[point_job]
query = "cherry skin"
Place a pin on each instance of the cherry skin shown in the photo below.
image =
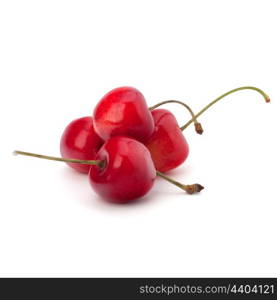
(127, 172)
(123, 111)
(167, 145)
(79, 140)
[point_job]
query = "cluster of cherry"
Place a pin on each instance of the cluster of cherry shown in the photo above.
(125, 145)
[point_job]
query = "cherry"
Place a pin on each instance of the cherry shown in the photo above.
(123, 111)
(80, 140)
(127, 173)
(122, 171)
(167, 145)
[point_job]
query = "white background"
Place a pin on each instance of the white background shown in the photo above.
(58, 58)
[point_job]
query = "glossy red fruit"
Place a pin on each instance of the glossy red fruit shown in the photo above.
(128, 172)
(80, 141)
(123, 111)
(167, 145)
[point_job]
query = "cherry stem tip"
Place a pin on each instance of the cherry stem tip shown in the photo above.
(190, 188)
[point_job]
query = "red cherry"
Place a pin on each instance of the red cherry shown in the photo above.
(167, 145)
(102, 164)
(79, 140)
(128, 171)
(123, 111)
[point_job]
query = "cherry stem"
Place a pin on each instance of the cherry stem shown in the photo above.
(266, 97)
(197, 125)
(191, 189)
(99, 163)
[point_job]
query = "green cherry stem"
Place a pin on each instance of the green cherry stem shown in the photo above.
(191, 189)
(266, 97)
(99, 163)
(197, 125)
